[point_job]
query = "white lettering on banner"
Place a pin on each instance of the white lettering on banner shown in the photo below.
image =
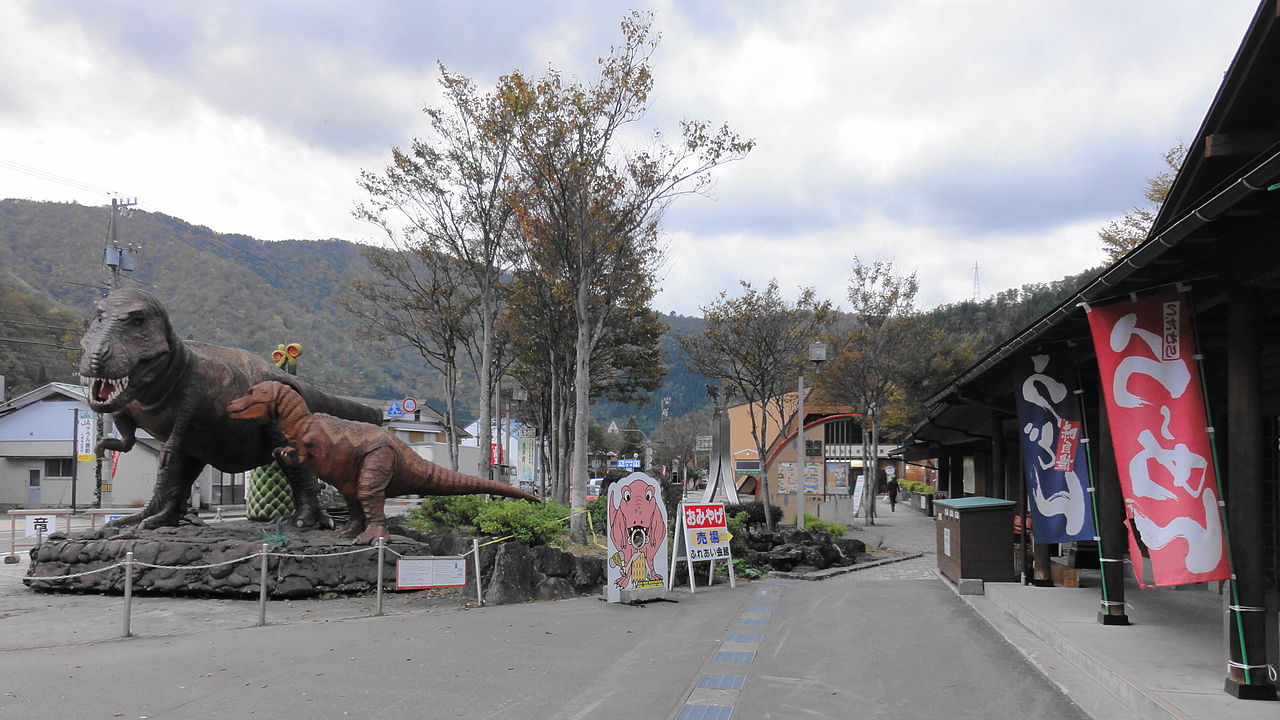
(1071, 501)
(1173, 375)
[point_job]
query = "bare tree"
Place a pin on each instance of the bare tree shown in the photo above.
(873, 354)
(448, 195)
(754, 345)
(421, 298)
(1124, 234)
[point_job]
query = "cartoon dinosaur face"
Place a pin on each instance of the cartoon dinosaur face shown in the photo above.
(127, 346)
(638, 520)
(259, 404)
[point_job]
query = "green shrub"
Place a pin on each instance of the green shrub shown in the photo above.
(737, 525)
(596, 511)
(536, 524)
(448, 511)
(743, 570)
(818, 525)
(754, 511)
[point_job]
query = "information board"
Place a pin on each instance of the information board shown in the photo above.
(857, 494)
(416, 573)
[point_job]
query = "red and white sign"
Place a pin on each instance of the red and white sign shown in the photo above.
(1156, 408)
(409, 405)
(706, 531)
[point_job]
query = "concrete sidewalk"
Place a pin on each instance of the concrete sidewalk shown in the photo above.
(1170, 663)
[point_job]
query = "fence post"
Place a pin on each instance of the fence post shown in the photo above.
(475, 550)
(262, 587)
(382, 545)
(13, 540)
(128, 592)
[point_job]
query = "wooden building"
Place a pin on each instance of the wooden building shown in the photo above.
(1217, 239)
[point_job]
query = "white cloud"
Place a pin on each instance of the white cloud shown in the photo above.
(941, 133)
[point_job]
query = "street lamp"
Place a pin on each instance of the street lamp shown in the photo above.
(817, 355)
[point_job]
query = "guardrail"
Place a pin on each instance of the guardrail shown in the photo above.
(262, 557)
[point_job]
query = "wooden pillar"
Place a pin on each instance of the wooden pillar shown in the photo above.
(1246, 498)
(1110, 523)
(998, 487)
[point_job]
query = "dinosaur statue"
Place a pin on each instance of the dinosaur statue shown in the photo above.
(364, 462)
(141, 372)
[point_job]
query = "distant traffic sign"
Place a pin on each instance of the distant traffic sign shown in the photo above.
(702, 444)
(632, 463)
(409, 405)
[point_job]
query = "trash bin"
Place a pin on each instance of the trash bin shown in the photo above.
(974, 541)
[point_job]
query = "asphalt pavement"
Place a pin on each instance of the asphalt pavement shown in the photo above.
(891, 641)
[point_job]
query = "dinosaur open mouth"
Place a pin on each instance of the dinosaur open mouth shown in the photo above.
(104, 391)
(637, 535)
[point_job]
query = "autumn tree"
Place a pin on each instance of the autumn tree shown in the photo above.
(589, 210)
(447, 196)
(872, 354)
(1124, 234)
(754, 345)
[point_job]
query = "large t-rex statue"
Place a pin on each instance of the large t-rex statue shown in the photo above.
(364, 462)
(141, 372)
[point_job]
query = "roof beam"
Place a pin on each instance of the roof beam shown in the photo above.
(1242, 143)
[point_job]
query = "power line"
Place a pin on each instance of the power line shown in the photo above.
(37, 325)
(37, 342)
(54, 177)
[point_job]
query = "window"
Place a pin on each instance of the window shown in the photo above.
(58, 468)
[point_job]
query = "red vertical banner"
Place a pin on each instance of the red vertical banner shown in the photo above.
(1155, 404)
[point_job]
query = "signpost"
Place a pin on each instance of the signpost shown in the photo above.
(857, 494)
(702, 535)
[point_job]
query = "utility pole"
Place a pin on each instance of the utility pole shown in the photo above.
(117, 258)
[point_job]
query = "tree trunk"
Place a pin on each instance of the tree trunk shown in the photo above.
(581, 420)
(486, 382)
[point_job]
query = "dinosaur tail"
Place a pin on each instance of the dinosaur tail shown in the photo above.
(427, 478)
(320, 402)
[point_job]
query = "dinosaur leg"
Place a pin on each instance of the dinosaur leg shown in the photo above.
(371, 491)
(355, 522)
(306, 498)
(172, 493)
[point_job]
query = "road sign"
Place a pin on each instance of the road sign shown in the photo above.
(633, 463)
(702, 444)
(395, 409)
(409, 405)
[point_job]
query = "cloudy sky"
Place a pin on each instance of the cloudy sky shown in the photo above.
(936, 133)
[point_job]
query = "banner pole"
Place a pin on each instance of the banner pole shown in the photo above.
(1092, 489)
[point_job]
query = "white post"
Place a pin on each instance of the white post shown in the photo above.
(382, 544)
(262, 587)
(128, 592)
(475, 551)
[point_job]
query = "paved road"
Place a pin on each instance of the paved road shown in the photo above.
(889, 642)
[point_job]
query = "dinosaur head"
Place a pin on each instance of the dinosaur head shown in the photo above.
(638, 520)
(129, 343)
(260, 405)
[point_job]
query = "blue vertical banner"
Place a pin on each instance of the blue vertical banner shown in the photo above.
(1053, 454)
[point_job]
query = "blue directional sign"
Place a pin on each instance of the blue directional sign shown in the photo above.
(632, 463)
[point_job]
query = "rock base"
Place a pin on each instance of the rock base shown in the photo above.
(223, 561)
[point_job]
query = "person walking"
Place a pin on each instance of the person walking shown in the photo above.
(893, 494)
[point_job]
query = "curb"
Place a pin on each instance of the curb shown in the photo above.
(817, 575)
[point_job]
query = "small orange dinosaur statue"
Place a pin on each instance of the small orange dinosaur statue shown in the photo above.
(364, 462)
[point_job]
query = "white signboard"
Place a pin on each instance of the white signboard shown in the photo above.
(416, 573)
(857, 494)
(636, 566)
(702, 443)
(86, 437)
(946, 541)
(39, 525)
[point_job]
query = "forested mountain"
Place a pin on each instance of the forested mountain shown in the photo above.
(221, 288)
(238, 291)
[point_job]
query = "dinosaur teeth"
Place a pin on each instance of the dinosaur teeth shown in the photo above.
(104, 390)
